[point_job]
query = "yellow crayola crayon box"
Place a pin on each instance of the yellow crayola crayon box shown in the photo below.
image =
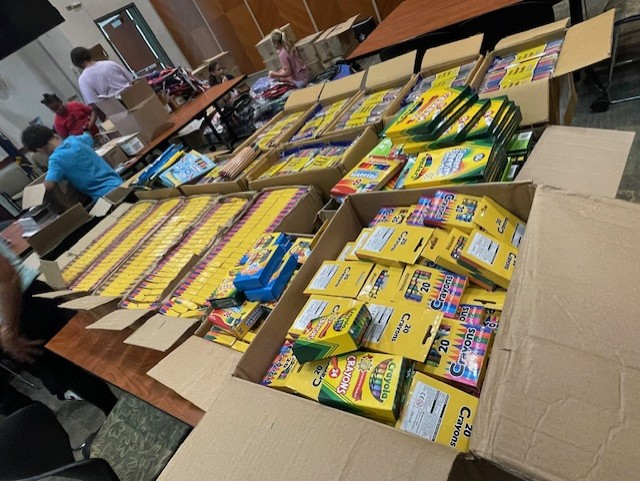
(334, 334)
(494, 260)
(236, 320)
(340, 279)
(497, 221)
(347, 251)
(287, 374)
(481, 307)
(403, 328)
(381, 284)
(394, 245)
(459, 354)
(358, 243)
(438, 412)
(434, 245)
(432, 289)
(448, 257)
(365, 383)
(319, 306)
(392, 215)
(301, 248)
(449, 210)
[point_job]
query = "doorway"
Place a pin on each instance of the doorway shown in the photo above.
(132, 39)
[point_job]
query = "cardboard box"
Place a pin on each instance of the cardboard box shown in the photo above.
(130, 144)
(300, 100)
(324, 179)
(136, 110)
(112, 153)
(306, 48)
(553, 100)
(588, 161)
(265, 46)
(53, 233)
(315, 69)
(397, 72)
(337, 41)
(273, 64)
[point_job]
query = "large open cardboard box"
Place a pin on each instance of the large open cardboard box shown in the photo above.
(553, 367)
(345, 88)
(397, 72)
(324, 179)
(337, 41)
(553, 100)
(301, 100)
(136, 110)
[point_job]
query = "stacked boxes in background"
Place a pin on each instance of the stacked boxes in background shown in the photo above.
(223, 58)
(337, 42)
(307, 50)
(269, 53)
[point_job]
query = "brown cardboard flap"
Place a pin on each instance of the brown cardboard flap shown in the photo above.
(532, 98)
(303, 98)
(33, 195)
(158, 194)
(588, 161)
(397, 68)
(560, 397)
(586, 43)
(59, 294)
(119, 319)
(197, 370)
(52, 234)
(273, 436)
(87, 303)
(101, 208)
(532, 34)
(450, 52)
(160, 332)
(52, 272)
(343, 87)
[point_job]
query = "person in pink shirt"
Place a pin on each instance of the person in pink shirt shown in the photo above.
(293, 68)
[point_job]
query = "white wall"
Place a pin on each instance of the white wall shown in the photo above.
(44, 65)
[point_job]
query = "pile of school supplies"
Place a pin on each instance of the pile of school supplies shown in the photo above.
(518, 150)
(400, 328)
(522, 67)
(319, 120)
(317, 156)
(453, 77)
(368, 109)
(150, 291)
(188, 168)
(272, 133)
(191, 297)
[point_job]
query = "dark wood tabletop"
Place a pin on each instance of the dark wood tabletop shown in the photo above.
(13, 234)
(191, 110)
(104, 354)
(413, 18)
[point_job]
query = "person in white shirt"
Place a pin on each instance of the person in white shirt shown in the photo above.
(102, 78)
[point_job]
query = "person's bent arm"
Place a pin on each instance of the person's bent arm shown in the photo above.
(49, 185)
(11, 342)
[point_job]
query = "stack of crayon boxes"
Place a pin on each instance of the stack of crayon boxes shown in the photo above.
(400, 327)
(209, 290)
(309, 157)
(366, 110)
(523, 67)
(447, 135)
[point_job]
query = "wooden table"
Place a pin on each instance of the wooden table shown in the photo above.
(193, 109)
(413, 18)
(13, 234)
(103, 354)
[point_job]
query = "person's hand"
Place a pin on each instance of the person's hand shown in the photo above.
(20, 348)
(272, 74)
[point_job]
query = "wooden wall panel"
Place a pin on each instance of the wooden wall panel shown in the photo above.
(328, 13)
(187, 28)
(236, 31)
(272, 14)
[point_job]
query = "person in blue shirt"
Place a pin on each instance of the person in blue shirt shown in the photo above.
(72, 159)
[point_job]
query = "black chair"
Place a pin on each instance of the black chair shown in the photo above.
(507, 21)
(33, 445)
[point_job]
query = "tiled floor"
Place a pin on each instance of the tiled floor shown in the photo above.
(81, 419)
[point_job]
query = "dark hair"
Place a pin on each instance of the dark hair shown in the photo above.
(50, 99)
(35, 137)
(212, 66)
(79, 56)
